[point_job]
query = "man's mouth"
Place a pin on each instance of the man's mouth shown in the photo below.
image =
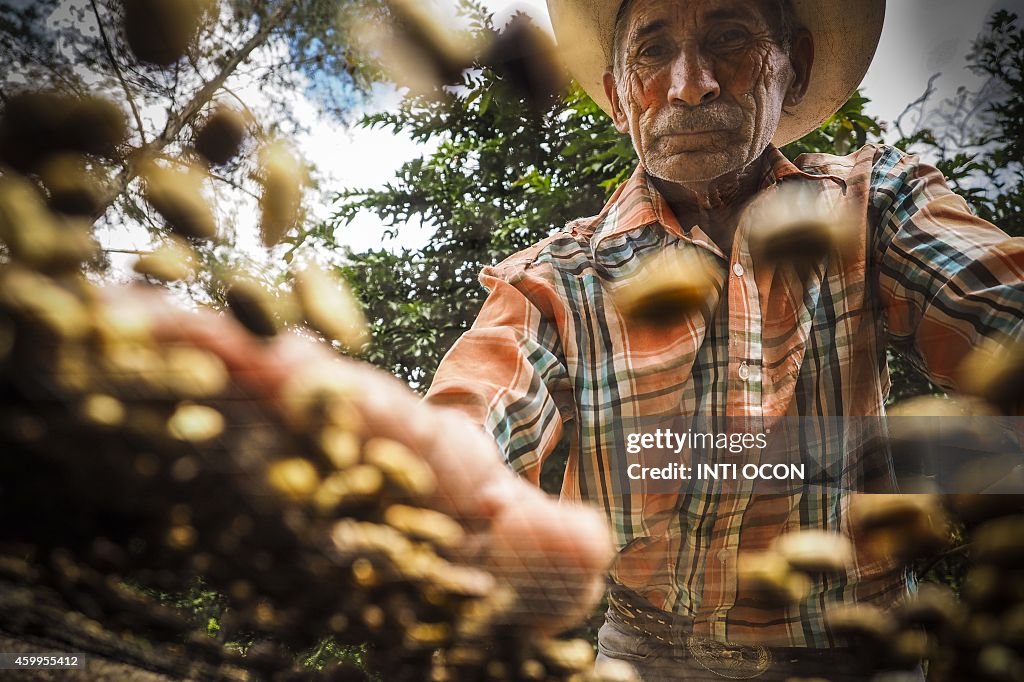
(687, 133)
(691, 140)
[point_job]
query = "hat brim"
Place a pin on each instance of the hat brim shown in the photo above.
(845, 39)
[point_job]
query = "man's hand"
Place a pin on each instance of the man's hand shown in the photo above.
(554, 555)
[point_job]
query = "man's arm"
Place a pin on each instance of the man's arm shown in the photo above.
(508, 372)
(946, 278)
(553, 555)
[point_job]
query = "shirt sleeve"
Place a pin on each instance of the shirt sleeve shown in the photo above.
(946, 278)
(508, 374)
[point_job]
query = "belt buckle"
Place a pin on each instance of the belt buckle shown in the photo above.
(733, 662)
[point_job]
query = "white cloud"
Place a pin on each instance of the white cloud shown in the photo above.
(356, 158)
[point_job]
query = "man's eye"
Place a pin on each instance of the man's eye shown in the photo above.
(735, 36)
(653, 51)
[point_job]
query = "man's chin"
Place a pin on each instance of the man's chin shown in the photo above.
(689, 167)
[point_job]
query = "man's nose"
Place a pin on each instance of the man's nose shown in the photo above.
(693, 77)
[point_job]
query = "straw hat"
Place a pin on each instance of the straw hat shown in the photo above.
(845, 37)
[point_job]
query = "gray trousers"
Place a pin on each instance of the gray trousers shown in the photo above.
(665, 663)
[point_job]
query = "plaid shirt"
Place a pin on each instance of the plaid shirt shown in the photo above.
(550, 355)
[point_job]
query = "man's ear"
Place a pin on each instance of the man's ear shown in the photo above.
(801, 56)
(619, 117)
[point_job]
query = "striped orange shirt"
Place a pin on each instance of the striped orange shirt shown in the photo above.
(550, 356)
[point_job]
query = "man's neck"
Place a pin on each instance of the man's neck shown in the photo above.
(715, 205)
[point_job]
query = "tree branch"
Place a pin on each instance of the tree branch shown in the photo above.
(117, 69)
(177, 122)
(130, 252)
(920, 101)
(228, 181)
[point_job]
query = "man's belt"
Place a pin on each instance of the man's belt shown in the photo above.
(670, 631)
(730, 661)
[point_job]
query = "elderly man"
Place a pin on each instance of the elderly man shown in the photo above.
(707, 90)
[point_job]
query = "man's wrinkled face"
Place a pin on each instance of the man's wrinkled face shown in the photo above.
(700, 85)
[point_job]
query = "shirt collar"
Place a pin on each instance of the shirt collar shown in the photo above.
(637, 203)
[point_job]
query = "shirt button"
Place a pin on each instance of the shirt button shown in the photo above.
(744, 371)
(738, 269)
(723, 555)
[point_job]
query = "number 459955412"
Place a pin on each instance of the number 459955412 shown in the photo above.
(38, 661)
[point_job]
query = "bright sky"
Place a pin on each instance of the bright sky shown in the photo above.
(920, 38)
